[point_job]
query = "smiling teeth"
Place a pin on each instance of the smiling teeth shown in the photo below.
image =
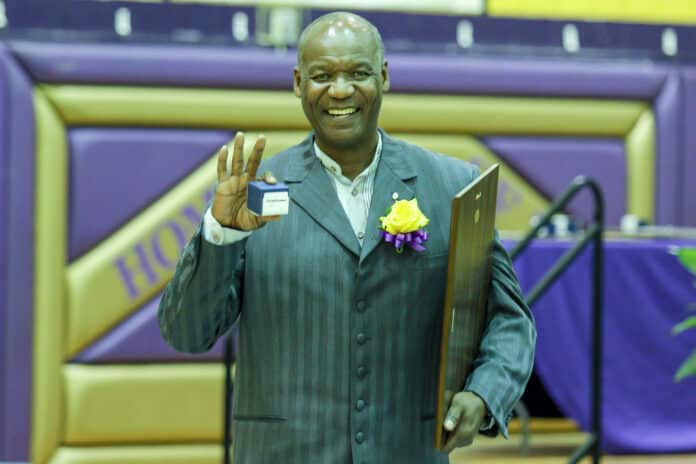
(342, 112)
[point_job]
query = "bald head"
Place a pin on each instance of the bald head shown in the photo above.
(340, 77)
(338, 23)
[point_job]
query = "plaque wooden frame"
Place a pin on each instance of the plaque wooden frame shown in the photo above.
(464, 318)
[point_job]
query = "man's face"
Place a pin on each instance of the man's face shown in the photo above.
(340, 80)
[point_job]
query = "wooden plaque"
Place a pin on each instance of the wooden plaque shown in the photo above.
(468, 279)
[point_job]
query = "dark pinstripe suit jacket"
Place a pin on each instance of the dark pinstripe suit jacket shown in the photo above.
(339, 344)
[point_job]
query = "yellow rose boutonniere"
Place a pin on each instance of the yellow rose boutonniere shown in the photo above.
(404, 225)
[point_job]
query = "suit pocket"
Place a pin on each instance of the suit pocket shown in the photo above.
(258, 418)
(414, 260)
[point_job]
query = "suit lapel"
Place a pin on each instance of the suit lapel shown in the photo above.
(310, 187)
(395, 174)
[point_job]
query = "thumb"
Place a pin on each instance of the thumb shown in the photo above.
(269, 178)
(452, 417)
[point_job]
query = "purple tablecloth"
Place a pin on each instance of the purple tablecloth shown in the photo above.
(646, 293)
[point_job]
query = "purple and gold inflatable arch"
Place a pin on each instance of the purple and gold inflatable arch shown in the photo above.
(107, 166)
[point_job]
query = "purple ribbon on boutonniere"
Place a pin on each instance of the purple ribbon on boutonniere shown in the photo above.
(414, 240)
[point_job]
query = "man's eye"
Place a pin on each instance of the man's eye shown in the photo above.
(361, 74)
(320, 77)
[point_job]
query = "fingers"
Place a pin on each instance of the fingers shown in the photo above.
(462, 434)
(222, 164)
(450, 444)
(238, 154)
(451, 425)
(255, 158)
(463, 420)
(453, 415)
(463, 437)
(269, 178)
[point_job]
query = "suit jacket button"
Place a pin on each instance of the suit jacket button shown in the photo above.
(362, 338)
(360, 405)
(360, 437)
(361, 306)
(362, 372)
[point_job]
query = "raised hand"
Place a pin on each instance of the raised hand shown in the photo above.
(229, 205)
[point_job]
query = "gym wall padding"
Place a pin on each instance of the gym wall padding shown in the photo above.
(81, 300)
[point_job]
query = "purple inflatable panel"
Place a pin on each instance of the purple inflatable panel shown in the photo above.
(669, 152)
(138, 339)
(5, 247)
(264, 68)
(458, 74)
(4, 193)
(115, 173)
(157, 65)
(17, 253)
(551, 164)
(689, 170)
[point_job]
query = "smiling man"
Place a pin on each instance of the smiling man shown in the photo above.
(339, 318)
(340, 77)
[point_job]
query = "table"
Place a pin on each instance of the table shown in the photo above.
(646, 293)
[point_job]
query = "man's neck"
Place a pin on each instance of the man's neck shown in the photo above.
(352, 160)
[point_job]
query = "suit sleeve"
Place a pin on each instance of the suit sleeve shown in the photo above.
(505, 359)
(506, 354)
(203, 298)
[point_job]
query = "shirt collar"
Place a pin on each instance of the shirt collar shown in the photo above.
(334, 168)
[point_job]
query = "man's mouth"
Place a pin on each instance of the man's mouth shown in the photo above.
(342, 112)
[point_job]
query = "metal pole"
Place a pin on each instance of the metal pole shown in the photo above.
(578, 183)
(583, 450)
(560, 266)
(597, 339)
(594, 444)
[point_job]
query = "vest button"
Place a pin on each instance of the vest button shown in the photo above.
(362, 372)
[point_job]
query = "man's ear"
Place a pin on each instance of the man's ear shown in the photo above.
(297, 79)
(385, 77)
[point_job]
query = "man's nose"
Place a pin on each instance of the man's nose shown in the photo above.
(341, 88)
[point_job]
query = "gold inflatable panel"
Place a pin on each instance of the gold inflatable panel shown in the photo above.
(50, 245)
(145, 454)
(143, 403)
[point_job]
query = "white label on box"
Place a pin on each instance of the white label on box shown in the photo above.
(275, 204)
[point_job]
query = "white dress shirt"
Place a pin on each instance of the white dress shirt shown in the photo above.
(355, 197)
